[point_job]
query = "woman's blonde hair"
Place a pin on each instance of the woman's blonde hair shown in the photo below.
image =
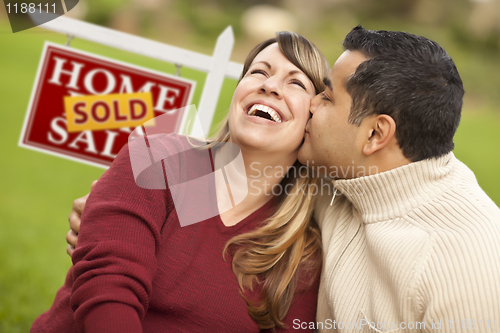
(289, 242)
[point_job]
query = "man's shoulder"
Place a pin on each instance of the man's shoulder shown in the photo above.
(461, 217)
(462, 204)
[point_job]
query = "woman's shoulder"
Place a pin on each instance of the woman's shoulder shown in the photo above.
(158, 147)
(158, 153)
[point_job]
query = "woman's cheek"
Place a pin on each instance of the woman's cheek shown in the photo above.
(307, 107)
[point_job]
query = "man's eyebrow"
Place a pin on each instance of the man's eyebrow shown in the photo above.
(327, 83)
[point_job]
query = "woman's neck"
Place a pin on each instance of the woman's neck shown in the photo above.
(246, 181)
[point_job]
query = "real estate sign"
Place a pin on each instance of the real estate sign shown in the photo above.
(63, 72)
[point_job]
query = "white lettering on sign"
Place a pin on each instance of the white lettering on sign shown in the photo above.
(89, 82)
(126, 86)
(59, 136)
(163, 97)
(74, 73)
(58, 125)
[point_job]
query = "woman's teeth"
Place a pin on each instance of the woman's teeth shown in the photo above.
(263, 108)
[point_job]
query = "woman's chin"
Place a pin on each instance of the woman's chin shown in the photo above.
(254, 144)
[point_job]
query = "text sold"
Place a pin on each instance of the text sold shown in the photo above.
(101, 112)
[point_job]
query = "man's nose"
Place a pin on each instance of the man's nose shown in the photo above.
(314, 103)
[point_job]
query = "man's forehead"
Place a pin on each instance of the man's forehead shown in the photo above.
(345, 66)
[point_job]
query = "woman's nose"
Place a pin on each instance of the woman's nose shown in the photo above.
(272, 87)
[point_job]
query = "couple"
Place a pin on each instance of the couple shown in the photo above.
(410, 245)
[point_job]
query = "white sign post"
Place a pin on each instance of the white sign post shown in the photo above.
(218, 66)
(215, 78)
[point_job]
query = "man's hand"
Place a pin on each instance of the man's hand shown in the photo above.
(74, 219)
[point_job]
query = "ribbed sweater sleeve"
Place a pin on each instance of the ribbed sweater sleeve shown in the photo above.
(458, 280)
(458, 285)
(114, 263)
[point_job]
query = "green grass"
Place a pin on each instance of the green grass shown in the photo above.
(38, 189)
(476, 144)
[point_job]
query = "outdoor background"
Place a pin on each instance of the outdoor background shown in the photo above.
(37, 190)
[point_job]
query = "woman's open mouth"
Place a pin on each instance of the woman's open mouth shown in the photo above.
(263, 111)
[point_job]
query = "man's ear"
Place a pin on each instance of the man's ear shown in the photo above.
(381, 131)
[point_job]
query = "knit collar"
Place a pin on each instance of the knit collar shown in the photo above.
(396, 192)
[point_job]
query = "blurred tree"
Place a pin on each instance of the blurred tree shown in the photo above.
(484, 23)
(418, 11)
(101, 11)
(382, 9)
(209, 18)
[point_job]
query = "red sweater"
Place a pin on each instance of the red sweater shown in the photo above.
(136, 269)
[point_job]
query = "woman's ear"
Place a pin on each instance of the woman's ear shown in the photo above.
(380, 131)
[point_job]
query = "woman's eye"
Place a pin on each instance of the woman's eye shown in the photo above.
(299, 83)
(259, 71)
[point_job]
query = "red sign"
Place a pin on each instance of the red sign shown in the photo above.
(64, 71)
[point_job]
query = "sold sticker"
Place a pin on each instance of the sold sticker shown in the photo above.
(101, 112)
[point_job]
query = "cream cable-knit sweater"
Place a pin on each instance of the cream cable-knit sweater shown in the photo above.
(415, 247)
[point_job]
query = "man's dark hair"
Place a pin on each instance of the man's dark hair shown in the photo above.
(413, 80)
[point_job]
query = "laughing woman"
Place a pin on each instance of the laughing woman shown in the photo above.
(252, 268)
